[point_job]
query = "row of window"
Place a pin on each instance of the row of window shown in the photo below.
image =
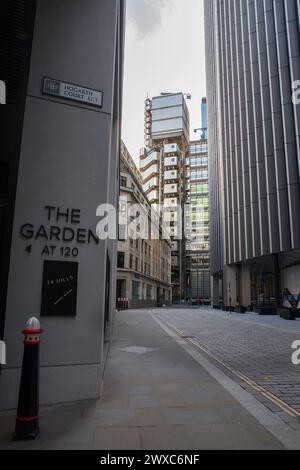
(144, 246)
(198, 216)
(124, 184)
(198, 148)
(133, 263)
(146, 292)
(193, 246)
(199, 175)
(200, 202)
(198, 161)
(199, 188)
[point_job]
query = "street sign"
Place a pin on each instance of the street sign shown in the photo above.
(72, 92)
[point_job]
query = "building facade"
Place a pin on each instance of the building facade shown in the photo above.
(144, 263)
(197, 225)
(198, 282)
(59, 160)
(253, 58)
(163, 169)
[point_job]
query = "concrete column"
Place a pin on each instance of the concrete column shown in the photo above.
(245, 285)
(230, 286)
(215, 288)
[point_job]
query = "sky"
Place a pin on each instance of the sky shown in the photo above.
(164, 52)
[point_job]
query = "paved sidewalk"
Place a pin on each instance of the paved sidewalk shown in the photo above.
(156, 397)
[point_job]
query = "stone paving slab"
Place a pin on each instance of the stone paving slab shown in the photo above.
(160, 399)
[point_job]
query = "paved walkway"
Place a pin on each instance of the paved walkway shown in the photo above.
(156, 397)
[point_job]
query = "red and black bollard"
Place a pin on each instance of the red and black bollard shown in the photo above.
(27, 423)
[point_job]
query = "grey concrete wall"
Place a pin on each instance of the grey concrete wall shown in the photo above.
(68, 159)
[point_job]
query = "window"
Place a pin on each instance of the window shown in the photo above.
(135, 290)
(199, 175)
(149, 292)
(121, 260)
(198, 161)
(122, 233)
(199, 188)
(123, 182)
(123, 207)
(199, 202)
(131, 262)
(198, 148)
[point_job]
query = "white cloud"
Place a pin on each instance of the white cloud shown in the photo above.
(169, 57)
(145, 16)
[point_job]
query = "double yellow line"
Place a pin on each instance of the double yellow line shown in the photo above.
(257, 388)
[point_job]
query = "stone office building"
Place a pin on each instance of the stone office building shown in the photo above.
(62, 62)
(144, 265)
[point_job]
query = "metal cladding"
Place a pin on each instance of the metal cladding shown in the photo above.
(253, 59)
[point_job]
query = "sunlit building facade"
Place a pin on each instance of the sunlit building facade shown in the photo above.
(144, 264)
(163, 167)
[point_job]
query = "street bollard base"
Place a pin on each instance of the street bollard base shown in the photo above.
(26, 431)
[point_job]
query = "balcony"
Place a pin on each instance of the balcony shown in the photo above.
(149, 159)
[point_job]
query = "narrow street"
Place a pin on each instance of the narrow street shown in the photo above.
(253, 350)
(163, 389)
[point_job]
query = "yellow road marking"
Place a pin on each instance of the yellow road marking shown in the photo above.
(258, 388)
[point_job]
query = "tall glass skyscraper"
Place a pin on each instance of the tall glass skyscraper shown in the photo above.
(197, 218)
(253, 58)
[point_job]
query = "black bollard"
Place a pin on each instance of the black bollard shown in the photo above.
(27, 422)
